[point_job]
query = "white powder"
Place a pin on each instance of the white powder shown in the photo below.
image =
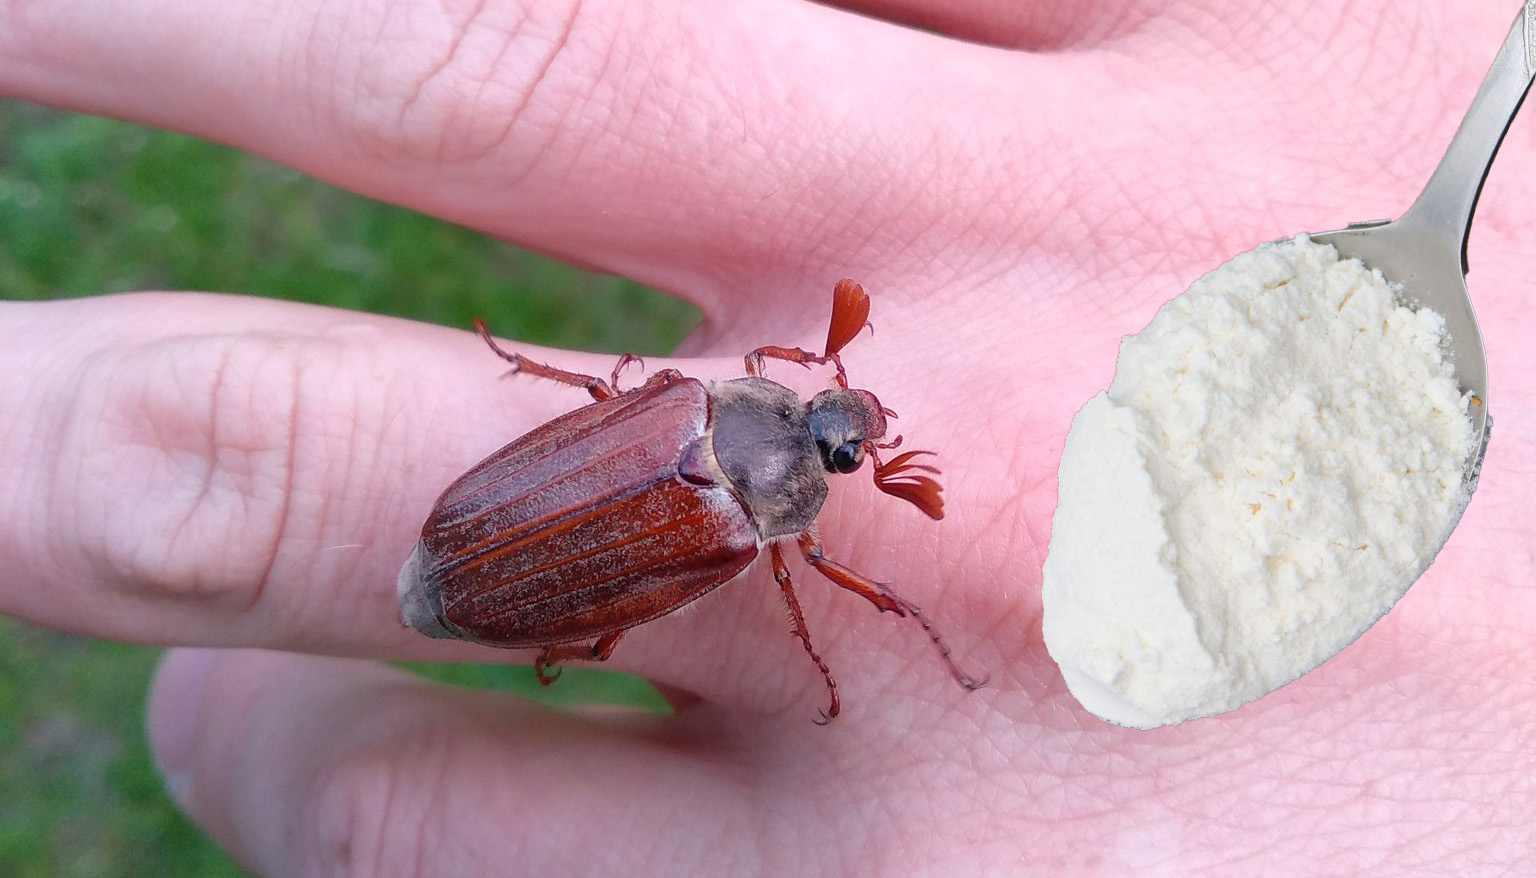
(1278, 458)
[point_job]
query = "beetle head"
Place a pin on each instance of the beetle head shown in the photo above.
(848, 426)
(844, 423)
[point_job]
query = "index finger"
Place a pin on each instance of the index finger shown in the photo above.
(214, 471)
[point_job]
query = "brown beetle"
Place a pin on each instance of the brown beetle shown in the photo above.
(629, 508)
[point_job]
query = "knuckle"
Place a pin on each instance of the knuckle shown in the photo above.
(377, 806)
(357, 820)
(458, 90)
(183, 457)
(203, 466)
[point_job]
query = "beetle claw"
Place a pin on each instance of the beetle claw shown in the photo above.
(628, 359)
(542, 669)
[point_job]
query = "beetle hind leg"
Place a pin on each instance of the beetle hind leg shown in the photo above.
(550, 656)
(781, 576)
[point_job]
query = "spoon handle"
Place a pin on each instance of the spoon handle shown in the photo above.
(1445, 207)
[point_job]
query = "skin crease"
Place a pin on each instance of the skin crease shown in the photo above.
(205, 470)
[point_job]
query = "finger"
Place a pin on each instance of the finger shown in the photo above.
(310, 766)
(234, 472)
(672, 142)
(1036, 26)
(217, 470)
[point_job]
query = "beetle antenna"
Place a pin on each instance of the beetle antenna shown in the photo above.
(850, 314)
(909, 481)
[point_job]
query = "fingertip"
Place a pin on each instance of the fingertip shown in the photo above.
(175, 714)
(303, 764)
(246, 738)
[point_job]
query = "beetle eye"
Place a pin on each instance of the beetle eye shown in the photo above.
(845, 458)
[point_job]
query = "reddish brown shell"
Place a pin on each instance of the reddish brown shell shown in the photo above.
(583, 526)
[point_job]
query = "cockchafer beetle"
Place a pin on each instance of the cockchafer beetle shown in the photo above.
(629, 508)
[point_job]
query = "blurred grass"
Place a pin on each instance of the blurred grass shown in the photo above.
(89, 206)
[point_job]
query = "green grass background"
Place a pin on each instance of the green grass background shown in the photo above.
(90, 206)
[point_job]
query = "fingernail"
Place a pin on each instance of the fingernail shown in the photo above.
(175, 715)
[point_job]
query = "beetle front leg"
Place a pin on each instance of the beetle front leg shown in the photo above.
(781, 576)
(553, 655)
(880, 594)
(599, 388)
(754, 360)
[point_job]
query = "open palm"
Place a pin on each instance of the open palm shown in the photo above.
(213, 471)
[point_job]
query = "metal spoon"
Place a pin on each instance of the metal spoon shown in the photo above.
(1425, 250)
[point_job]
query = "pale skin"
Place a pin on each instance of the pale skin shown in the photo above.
(210, 471)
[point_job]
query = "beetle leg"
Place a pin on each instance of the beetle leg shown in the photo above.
(805, 358)
(541, 667)
(553, 655)
(850, 315)
(599, 388)
(625, 360)
(755, 359)
(781, 576)
(880, 594)
(664, 376)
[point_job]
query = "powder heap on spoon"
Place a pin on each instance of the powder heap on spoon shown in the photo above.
(1282, 451)
(1280, 455)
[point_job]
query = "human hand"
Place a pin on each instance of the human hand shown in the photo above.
(211, 471)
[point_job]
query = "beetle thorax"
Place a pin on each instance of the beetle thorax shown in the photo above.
(763, 445)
